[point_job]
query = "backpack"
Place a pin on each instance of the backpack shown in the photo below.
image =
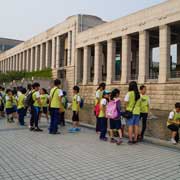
(65, 103)
(29, 100)
(97, 110)
(111, 110)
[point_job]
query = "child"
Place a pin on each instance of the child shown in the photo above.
(115, 124)
(21, 106)
(64, 103)
(144, 109)
(173, 123)
(44, 103)
(102, 116)
(9, 105)
(2, 100)
(75, 108)
(99, 94)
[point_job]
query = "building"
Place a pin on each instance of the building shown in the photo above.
(6, 44)
(85, 50)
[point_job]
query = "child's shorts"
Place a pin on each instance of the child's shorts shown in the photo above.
(10, 111)
(115, 124)
(75, 116)
(134, 121)
(45, 110)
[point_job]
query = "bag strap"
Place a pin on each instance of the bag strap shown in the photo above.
(134, 106)
(53, 94)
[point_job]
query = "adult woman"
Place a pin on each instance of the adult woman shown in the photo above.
(132, 104)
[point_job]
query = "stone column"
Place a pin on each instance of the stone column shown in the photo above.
(14, 63)
(57, 52)
(86, 66)
(32, 59)
(164, 64)
(69, 47)
(47, 63)
(24, 60)
(17, 62)
(143, 56)
(111, 53)
(126, 59)
(53, 59)
(27, 60)
(98, 64)
(42, 62)
(37, 58)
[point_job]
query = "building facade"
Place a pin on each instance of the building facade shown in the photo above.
(6, 44)
(85, 50)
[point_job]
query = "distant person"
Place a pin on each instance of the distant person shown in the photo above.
(102, 115)
(115, 110)
(35, 108)
(44, 96)
(56, 106)
(75, 109)
(99, 95)
(173, 123)
(21, 106)
(132, 104)
(145, 105)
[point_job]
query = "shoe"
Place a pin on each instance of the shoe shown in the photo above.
(119, 142)
(130, 142)
(113, 140)
(78, 129)
(104, 139)
(54, 133)
(31, 128)
(38, 130)
(135, 142)
(173, 141)
(72, 130)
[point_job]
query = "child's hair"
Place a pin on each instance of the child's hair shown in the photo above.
(76, 88)
(133, 87)
(114, 93)
(177, 105)
(23, 90)
(142, 87)
(29, 86)
(103, 85)
(36, 84)
(57, 82)
(45, 91)
(8, 90)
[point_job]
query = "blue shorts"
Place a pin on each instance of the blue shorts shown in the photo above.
(134, 121)
(10, 111)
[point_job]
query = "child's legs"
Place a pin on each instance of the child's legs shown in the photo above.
(75, 119)
(144, 123)
(136, 126)
(175, 134)
(130, 124)
(112, 127)
(103, 127)
(36, 116)
(97, 125)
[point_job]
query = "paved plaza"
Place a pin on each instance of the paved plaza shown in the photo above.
(38, 156)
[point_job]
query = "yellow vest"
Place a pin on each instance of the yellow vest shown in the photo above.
(75, 104)
(44, 99)
(133, 104)
(36, 104)
(9, 102)
(100, 96)
(102, 110)
(144, 104)
(54, 94)
(175, 120)
(21, 101)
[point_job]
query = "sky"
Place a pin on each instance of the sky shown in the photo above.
(22, 19)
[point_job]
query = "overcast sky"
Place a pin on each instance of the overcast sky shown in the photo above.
(22, 19)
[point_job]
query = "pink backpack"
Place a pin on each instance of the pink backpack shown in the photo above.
(111, 110)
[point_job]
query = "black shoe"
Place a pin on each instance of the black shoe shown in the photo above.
(135, 142)
(31, 128)
(38, 130)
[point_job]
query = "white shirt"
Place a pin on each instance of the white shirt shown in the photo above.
(37, 94)
(126, 99)
(171, 115)
(78, 98)
(60, 93)
(97, 94)
(104, 102)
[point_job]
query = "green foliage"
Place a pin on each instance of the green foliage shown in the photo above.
(14, 75)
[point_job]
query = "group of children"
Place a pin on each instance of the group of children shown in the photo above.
(108, 110)
(110, 114)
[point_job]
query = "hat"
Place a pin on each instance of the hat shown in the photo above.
(106, 92)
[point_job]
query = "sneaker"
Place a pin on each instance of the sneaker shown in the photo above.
(113, 140)
(72, 130)
(135, 142)
(38, 130)
(31, 128)
(173, 141)
(104, 139)
(78, 129)
(119, 142)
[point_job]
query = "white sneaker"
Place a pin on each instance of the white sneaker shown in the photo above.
(173, 141)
